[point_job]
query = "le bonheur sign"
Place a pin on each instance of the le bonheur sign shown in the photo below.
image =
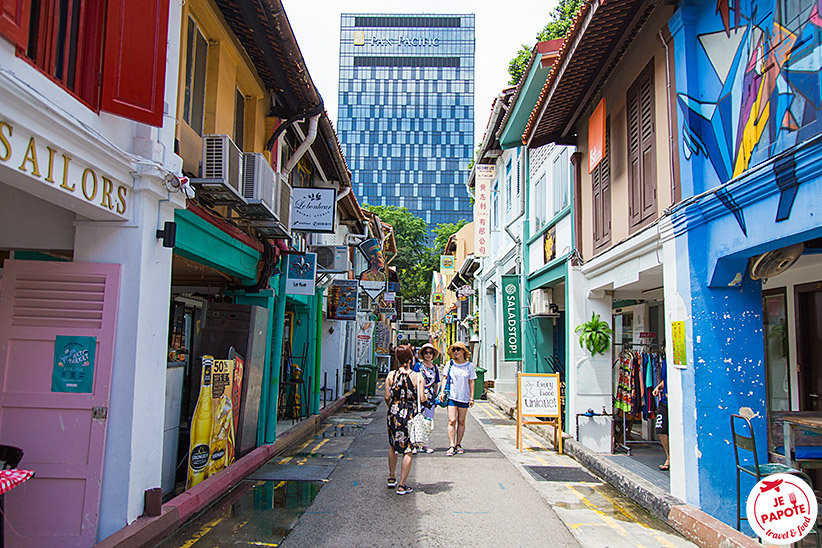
(781, 509)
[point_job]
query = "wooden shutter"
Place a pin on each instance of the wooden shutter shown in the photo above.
(601, 182)
(135, 59)
(14, 21)
(641, 148)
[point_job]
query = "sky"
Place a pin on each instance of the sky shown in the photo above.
(501, 28)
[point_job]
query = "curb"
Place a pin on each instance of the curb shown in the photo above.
(148, 531)
(691, 522)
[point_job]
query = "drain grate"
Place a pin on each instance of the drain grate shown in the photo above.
(497, 422)
(287, 472)
(562, 473)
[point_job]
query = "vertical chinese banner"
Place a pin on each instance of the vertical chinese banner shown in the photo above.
(482, 209)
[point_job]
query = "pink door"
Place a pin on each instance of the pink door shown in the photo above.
(63, 433)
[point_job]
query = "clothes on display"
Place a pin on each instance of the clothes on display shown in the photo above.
(639, 371)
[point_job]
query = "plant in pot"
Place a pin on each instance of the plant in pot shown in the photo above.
(595, 335)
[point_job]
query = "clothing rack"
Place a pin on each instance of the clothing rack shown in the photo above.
(654, 348)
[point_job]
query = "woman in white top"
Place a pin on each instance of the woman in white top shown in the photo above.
(461, 373)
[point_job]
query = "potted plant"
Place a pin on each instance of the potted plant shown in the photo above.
(595, 335)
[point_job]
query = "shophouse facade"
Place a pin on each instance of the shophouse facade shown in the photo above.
(460, 246)
(406, 110)
(746, 236)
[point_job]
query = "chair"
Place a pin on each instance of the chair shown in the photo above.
(748, 443)
(10, 456)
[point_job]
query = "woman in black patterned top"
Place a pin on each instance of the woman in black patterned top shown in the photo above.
(401, 387)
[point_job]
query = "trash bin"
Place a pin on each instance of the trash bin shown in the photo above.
(363, 375)
(479, 383)
(372, 380)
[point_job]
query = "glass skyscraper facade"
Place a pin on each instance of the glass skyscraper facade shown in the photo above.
(406, 111)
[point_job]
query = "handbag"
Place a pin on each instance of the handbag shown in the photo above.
(442, 398)
(419, 427)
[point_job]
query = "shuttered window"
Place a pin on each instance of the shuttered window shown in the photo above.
(111, 54)
(641, 149)
(601, 191)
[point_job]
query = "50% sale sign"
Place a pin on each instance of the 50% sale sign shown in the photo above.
(781, 509)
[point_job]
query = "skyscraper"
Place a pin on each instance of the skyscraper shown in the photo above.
(406, 110)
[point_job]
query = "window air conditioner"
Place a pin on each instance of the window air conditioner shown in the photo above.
(222, 165)
(542, 303)
(258, 188)
(280, 225)
(332, 258)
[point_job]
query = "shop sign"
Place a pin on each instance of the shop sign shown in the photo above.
(342, 300)
(301, 272)
(313, 209)
(402, 41)
(482, 209)
(446, 264)
(73, 369)
(365, 339)
(549, 245)
(438, 298)
(466, 291)
(373, 280)
(678, 336)
(539, 398)
(781, 509)
(511, 319)
(47, 163)
(596, 136)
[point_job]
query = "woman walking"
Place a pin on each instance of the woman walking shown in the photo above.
(425, 366)
(462, 374)
(401, 387)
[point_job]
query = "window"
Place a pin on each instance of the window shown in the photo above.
(601, 192)
(87, 47)
(562, 180)
(239, 119)
(641, 149)
(539, 202)
(508, 185)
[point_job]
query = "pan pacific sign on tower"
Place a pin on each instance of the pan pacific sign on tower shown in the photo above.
(400, 41)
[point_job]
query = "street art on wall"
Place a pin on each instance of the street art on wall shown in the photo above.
(760, 90)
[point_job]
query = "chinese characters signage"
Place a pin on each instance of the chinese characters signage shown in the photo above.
(482, 209)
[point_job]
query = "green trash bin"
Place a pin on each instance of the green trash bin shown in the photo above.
(372, 380)
(363, 375)
(479, 383)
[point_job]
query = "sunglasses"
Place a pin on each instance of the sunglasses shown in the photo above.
(428, 352)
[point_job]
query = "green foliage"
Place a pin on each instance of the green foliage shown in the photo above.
(596, 335)
(444, 231)
(558, 26)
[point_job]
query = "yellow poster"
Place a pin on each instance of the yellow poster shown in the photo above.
(222, 432)
(678, 336)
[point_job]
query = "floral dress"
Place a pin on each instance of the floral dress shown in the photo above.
(401, 408)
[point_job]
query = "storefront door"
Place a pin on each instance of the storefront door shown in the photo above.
(57, 326)
(808, 343)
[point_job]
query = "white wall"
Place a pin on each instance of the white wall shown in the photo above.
(31, 223)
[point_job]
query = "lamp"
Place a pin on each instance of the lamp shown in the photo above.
(168, 234)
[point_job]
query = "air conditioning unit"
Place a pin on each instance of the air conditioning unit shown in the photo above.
(332, 258)
(222, 164)
(258, 183)
(542, 303)
(280, 225)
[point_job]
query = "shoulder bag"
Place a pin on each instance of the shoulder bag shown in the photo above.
(418, 427)
(445, 393)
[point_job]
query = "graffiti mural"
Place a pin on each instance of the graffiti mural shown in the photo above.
(760, 91)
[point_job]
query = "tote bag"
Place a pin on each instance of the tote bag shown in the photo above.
(419, 427)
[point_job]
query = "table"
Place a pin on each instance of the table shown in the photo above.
(789, 425)
(9, 479)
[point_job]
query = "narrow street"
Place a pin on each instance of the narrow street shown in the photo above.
(330, 491)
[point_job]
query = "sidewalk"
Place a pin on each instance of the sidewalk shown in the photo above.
(691, 522)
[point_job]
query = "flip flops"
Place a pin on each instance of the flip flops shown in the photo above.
(392, 482)
(460, 450)
(664, 467)
(450, 452)
(404, 489)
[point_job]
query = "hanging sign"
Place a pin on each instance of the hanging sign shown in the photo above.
(538, 396)
(342, 300)
(438, 298)
(446, 264)
(365, 339)
(549, 245)
(373, 280)
(596, 136)
(301, 271)
(482, 208)
(313, 209)
(511, 319)
(73, 369)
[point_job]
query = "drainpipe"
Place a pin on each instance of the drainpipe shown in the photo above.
(309, 139)
(276, 359)
(668, 105)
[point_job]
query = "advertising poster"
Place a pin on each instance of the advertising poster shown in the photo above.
(549, 245)
(199, 448)
(313, 209)
(342, 300)
(365, 339)
(446, 264)
(373, 279)
(511, 319)
(236, 391)
(73, 369)
(678, 336)
(222, 431)
(301, 272)
(482, 209)
(382, 337)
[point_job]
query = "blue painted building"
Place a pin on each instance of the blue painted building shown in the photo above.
(748, 279)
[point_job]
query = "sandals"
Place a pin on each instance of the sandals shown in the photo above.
(664, 467)
(460, 450)
(450, 452)
(404, 489)
(392, 482)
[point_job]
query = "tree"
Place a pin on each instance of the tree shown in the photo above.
(561, 19)
(444, 231)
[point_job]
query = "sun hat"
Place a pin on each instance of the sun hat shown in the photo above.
(428, 346)
(461, 345)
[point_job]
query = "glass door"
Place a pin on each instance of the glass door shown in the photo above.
(776, 349)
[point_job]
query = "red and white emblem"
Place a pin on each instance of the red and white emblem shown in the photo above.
(781, 509)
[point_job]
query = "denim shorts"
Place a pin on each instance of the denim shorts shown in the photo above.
(461, 405)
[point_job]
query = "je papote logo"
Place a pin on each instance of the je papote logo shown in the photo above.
(781, 509)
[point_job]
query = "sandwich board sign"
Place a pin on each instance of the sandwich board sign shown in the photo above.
(538, 398)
